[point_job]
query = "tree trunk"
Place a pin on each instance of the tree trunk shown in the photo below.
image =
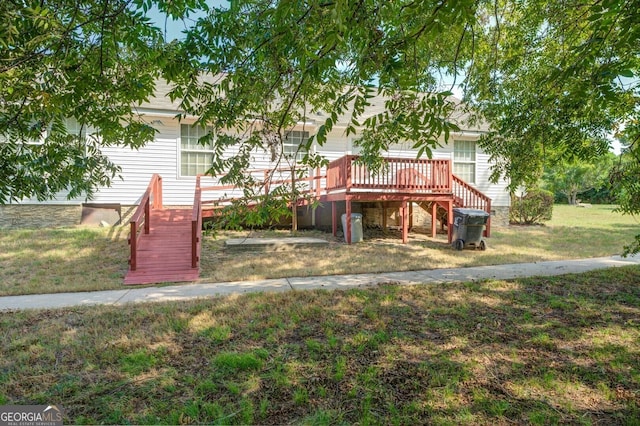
(572, 198)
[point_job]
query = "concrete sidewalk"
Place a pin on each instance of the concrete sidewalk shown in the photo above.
(193, 291)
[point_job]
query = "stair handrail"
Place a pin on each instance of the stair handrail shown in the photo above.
(151, 200)
(468, 196)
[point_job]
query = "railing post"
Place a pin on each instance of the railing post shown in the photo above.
(196, 224)
(158, 194)
(316, 182)
(133, 242)
(147, 217)
(194, 244)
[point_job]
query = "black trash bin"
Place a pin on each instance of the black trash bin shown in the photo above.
(468, 225)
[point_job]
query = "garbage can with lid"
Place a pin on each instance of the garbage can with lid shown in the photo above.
(468, 225)
(356, 227)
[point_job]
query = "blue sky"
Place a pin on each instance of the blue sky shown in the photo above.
(173, 29)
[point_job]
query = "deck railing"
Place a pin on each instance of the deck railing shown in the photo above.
(266, 182)
(397, 174)
(141, 219)
(467, 196)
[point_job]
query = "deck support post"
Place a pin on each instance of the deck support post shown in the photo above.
(405, 223)
(384, 216)
(347, 229)
(334, 225)
(434, 219)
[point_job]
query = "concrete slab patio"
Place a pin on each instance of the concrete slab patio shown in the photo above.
(194, 291)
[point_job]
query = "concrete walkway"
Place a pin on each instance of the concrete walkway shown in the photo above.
(192, 291)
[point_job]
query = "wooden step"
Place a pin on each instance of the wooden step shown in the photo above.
(164, 255)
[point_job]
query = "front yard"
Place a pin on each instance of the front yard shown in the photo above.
(83, 259)
(545, 350)
(86, 259)
(561, 350)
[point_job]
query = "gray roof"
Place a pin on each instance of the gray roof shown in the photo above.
(162, 103)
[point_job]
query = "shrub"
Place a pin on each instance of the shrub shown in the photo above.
(535, 207)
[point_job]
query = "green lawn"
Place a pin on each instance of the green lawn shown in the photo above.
(83, 259)
(561, 350)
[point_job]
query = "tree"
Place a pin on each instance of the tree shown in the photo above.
(89, 60)
(276, 62)
(529, 80)
(555, 80)
(573, 178)
(624, 176)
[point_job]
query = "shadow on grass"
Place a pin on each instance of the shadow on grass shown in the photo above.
(537, 351)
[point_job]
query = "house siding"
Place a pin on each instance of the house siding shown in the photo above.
(162, 157)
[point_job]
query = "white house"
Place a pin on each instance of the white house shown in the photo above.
(178, 158)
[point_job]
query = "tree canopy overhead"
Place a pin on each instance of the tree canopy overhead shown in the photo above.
(281, 61)
(89, 60)
(555, 79)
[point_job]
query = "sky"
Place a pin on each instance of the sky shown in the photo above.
(173, 29)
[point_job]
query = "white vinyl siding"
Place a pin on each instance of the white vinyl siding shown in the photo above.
(195, 158)
(464, 160)
(162, 156)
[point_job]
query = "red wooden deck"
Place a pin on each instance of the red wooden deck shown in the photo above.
(165, 243)
(164, 254)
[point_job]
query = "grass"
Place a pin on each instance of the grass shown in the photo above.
(550, 350)
(83, 259)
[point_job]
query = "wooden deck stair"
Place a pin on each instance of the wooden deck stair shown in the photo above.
(165, 243)
(164, 254)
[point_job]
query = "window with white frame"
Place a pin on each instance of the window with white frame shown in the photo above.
(292, 142)
(464, 160)
(75, 128)
(40, 141)
(195, 158)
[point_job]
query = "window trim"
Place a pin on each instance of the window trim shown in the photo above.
(473, 162)
(298, 155)
(180, 150)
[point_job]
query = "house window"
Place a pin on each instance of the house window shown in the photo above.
(74, 128)
(291, 145)
(39, 141)
(195, 158)
(464, 160)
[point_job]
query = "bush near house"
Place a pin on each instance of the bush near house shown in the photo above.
(534, 207)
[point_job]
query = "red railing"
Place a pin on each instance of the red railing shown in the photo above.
(196, 225)
(397, 174)
(266, 182)
(467, 196)
(151, 199)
